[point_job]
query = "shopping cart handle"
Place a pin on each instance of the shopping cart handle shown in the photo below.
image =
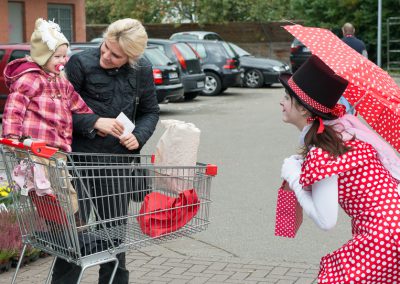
(38, 148)
(211, 170)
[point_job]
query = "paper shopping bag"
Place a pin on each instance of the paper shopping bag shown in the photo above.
(176, 148)
(289, 214)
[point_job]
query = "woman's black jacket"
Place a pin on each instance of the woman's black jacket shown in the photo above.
(108, 92)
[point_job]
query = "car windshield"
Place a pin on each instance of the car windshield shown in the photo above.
(156, 57)
(186, 51)
(212, 37)
(184, 37)
(75, 48)
(229, 49)
(240, 51)
(18, 54)
(2, 52)
(296, 42)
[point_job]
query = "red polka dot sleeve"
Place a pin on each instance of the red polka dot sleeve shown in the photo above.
(319, 164)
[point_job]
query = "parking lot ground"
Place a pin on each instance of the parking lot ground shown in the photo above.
(159, 265)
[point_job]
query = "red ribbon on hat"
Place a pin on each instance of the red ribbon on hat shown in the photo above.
(339, 110)
(321, 126)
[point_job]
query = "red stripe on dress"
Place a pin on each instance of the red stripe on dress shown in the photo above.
(306, 98)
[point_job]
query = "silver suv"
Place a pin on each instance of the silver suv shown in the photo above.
(194, 35)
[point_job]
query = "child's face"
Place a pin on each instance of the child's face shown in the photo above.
(293, 113)
(59, 57)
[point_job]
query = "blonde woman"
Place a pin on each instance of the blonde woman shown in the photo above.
(111, 79)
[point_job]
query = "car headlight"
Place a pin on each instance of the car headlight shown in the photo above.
(276, 68)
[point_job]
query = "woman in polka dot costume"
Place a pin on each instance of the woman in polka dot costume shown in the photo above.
(343, 163)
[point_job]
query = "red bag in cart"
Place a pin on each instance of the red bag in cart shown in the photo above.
(49, 208)
(161, 214)
(289, 214)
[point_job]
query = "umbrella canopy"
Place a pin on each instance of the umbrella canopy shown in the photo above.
(371, 90)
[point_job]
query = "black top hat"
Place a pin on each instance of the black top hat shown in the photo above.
(315, 86)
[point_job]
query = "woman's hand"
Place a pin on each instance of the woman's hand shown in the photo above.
(129, 141)
(109, 126)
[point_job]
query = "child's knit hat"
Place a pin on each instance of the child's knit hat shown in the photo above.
(45, 39)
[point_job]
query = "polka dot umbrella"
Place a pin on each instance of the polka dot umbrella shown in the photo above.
(371, 90)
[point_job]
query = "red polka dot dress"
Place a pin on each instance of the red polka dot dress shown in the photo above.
(368, 194)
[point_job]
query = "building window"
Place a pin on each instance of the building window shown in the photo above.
(62, 15)
(15, 22)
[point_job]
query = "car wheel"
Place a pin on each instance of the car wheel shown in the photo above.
(253, 79)
(213, 84)
(191, 96)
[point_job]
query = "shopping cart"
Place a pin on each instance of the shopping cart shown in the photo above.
(125, 202)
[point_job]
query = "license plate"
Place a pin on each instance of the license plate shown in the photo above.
(200, 84)
(173, 75)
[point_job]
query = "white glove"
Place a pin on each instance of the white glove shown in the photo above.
(291, 170)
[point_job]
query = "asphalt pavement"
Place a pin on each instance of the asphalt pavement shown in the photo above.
(159, 264)
(242, 134)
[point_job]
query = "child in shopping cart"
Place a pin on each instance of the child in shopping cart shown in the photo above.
(41, 100)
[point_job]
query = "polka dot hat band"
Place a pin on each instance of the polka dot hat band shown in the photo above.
(306, 98)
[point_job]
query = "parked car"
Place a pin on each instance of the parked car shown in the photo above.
(259, 71)
(299, 53)
(166, 75)
(9, 52)
(220, 63)
(76, 47)
(97, 39)
(195, 35)
(180, 53)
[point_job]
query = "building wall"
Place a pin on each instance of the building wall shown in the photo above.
(34, 9)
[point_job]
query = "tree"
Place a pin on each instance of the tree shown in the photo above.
(147, 11)
(363, 14)
(331, 14)
(107, 11)
(182, 11)
(97, 11)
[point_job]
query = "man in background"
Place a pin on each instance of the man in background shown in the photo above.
(358, 45)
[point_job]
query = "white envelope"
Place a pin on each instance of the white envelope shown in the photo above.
(126, 122)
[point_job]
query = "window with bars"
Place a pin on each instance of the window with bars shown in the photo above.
(62, 15)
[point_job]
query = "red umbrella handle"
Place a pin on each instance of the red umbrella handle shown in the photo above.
(39, 148)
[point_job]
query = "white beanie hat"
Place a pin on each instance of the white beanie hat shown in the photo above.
(45, 39)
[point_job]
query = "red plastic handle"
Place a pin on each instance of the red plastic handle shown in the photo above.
(39, 148)
(211, 170)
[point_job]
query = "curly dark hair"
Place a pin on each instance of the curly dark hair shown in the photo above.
(330, 140)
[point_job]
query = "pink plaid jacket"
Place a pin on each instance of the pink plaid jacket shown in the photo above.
(40, 105)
